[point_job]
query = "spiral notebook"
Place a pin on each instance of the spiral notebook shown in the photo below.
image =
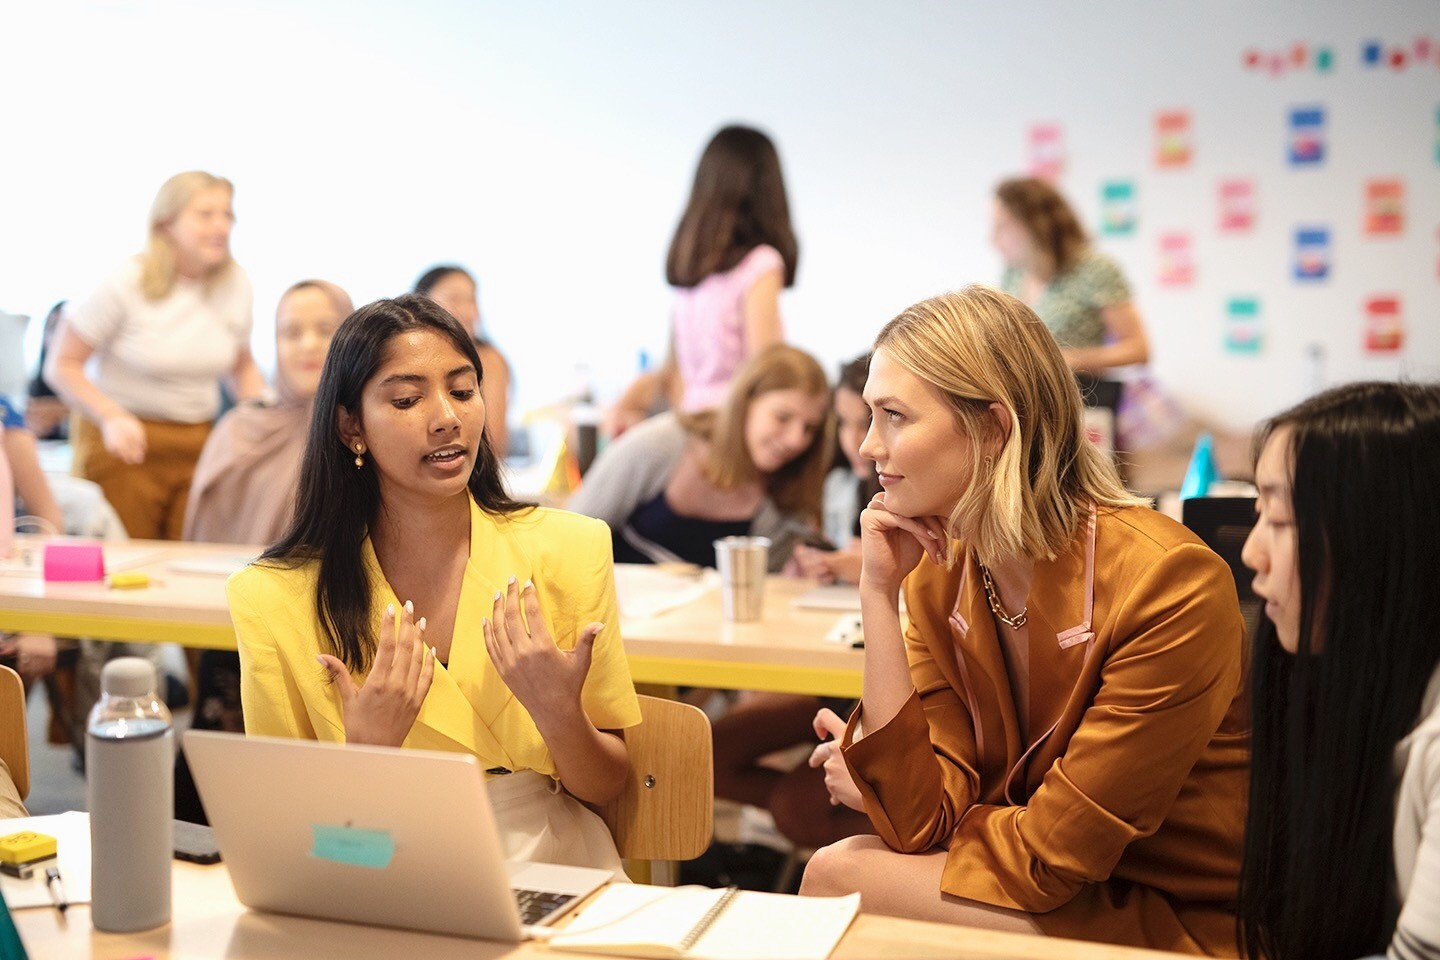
(699, 923)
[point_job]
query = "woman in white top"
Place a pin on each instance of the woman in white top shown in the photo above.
(1342, 843)
(163, 331)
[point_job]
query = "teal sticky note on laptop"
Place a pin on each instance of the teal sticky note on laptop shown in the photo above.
(353, 846)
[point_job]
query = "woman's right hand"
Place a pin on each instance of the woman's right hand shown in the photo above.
(384, 709)
(124, 437)
(891, 545)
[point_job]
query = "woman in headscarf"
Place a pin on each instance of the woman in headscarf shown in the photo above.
(245, 482)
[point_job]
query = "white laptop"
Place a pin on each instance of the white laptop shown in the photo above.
(379, 835)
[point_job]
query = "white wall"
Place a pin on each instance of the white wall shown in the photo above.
(549, 146)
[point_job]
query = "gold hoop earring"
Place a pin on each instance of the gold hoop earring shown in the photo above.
(359, 455)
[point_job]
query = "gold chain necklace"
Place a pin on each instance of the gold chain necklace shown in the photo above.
(1015, 622)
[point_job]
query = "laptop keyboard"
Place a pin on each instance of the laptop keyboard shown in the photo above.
(536, 905)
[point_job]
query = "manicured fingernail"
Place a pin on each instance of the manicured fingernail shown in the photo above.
(529, 584)
(421, 624)
(512, 581)
(389, 609)
(409, 607)
(321, 660)
(497, 596)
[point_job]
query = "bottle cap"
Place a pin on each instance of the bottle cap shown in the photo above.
(128, 677)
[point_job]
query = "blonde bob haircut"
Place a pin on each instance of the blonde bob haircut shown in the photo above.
(157, 260)
(796, 487)
(979, 346)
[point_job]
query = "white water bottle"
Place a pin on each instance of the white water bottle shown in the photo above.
(130, 790)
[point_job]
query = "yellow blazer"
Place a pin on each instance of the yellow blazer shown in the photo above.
(287, 693)
(1122, 820)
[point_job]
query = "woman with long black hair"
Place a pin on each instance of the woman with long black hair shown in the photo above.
(413, 603)
(1342, 842)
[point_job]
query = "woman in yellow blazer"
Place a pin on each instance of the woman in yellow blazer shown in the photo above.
(1057, 743)
(507, 643)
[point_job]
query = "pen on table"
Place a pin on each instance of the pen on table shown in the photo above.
(57, 890)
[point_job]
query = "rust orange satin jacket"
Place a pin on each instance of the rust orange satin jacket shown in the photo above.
(1122, 820)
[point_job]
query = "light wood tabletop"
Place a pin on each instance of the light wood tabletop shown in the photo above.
(208, 922)
(184, 602)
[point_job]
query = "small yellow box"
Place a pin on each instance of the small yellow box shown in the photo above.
(129, 581)
(26, 847)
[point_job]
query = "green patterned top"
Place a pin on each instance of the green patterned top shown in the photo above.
(1072, 301)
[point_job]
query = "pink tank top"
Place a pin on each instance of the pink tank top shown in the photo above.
(709, 325)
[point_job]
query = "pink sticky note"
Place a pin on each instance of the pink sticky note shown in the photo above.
(1237, 205)
(1047, 151)
(1177, 260)
(74, 562)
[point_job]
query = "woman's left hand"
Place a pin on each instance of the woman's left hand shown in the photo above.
(544, 678)
(838, 781)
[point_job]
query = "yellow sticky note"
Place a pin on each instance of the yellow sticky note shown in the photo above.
(129, 581)
(26, 847)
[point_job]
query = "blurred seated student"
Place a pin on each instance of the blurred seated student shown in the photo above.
(405, 538)
(45, 413)
(26, 499)
(455, 289)
(760, 724)
(245, 482)
(1342, 843)
(1056, 743)
(10, 803)
(848, 487)
(732, 253)
(754, 467)
(1077, 291)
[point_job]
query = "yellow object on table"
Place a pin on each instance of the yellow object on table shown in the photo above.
(26, 847)
(129, 581)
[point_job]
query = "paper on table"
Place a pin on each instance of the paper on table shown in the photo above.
(634, 920)
(220, 566)
(829, 596)
(646, 591)
(72, 843)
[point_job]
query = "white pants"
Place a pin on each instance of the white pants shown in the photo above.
(540, 822)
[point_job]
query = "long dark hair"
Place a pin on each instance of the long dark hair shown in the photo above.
(336, 503)
(1318, 861)
(737, 203)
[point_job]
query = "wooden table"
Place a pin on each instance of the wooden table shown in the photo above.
(209, 922)
(691, 645)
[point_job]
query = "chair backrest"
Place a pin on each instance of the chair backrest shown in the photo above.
(667, 809)
(1224, 523)
(14, 744)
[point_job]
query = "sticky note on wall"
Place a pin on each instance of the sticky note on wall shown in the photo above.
(1307, 136)
(1384, 207)
(1046, 143)
(1176, 260)
(1312, 253)
(1243, 332)
(1117, 208)
(1237, 205)
(1384, 324)
(1174, 139)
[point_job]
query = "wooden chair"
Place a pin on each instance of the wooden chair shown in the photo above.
(666, 811)
(14, 744)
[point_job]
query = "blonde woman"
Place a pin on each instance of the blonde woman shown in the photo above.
(756, 466)
(1056, 742)
(165, 329)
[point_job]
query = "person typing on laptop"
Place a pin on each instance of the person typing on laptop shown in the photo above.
(413, 603)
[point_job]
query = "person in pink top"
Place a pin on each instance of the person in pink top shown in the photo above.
(732, 253)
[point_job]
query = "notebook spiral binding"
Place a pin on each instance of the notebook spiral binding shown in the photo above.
(707, 921)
